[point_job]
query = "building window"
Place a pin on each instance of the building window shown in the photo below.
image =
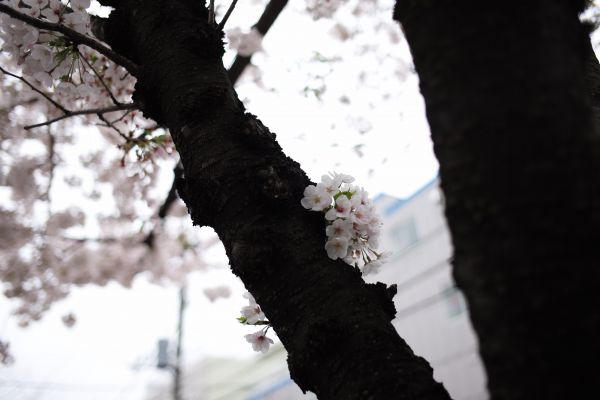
(455, 301)
(403, 235)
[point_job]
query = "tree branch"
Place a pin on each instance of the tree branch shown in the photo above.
(90, 239)
(101, 111)
(264, 23)
(237, 179)
(73, 36)
(109, 124)
(266, 20)
(227, 14)
(25, 81)
(211, 12)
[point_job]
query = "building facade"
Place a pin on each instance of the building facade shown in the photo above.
(432, 315)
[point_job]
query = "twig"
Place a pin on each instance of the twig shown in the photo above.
(211, 12)
(89, 239)
(73, 36)
(101, 111)
(110, 125)
(126, 113)
(54, 103)
(264, 23)
(227, 14)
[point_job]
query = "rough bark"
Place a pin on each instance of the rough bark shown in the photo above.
(266, 20)
(592, 78)
(335, 327)
(511, 120)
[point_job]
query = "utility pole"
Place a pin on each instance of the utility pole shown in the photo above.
(177, 364)
(165, 359)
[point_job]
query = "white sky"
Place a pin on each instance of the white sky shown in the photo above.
(118, 328)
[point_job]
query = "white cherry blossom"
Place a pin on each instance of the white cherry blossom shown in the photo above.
(322, 8)
(337, 247)
(80, 5)
(342, 209)
(6, 357)
(371, 267)
(33, 11)
(340, 228)
(69, 320)
(330, 184)
(54, 11)
(316, 198)
(217, 292)
(259, 340)
(43, 54)
(353, 227)
(361, 215)
(245, 44)
(345, 178)
(36, 3)
(252, 312)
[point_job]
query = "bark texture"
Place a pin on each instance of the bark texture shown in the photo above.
(236, 179)
(512, 124)
(592, 80)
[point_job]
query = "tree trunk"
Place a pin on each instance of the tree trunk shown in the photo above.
(335, 327)
(511, 120)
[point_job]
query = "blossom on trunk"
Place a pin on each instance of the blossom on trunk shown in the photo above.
(353, 227)
(260, 341)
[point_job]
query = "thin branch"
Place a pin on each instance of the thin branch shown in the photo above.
(89, 239)
(54, 103)
(227, 14)
(101, 111)
(110, 125)
(266, 20)
(211, 12)
(126, 113)
(112, 97)
(73, 36)
(68, 113)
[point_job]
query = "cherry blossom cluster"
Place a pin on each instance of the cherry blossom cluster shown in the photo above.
(46, 56)
(252, 314)
(322, 8)
(217, 292)
(5, 357)
(73, 75)
(69, 320)
(353, 226)
(244, 43)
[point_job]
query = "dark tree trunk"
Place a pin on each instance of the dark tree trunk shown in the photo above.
(335, 327)
(511, 120)
(592, 80)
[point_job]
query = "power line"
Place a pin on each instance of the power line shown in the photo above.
(59, 386)
(449, 359)
(422, 240)
(413, 280)
(423, 304)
